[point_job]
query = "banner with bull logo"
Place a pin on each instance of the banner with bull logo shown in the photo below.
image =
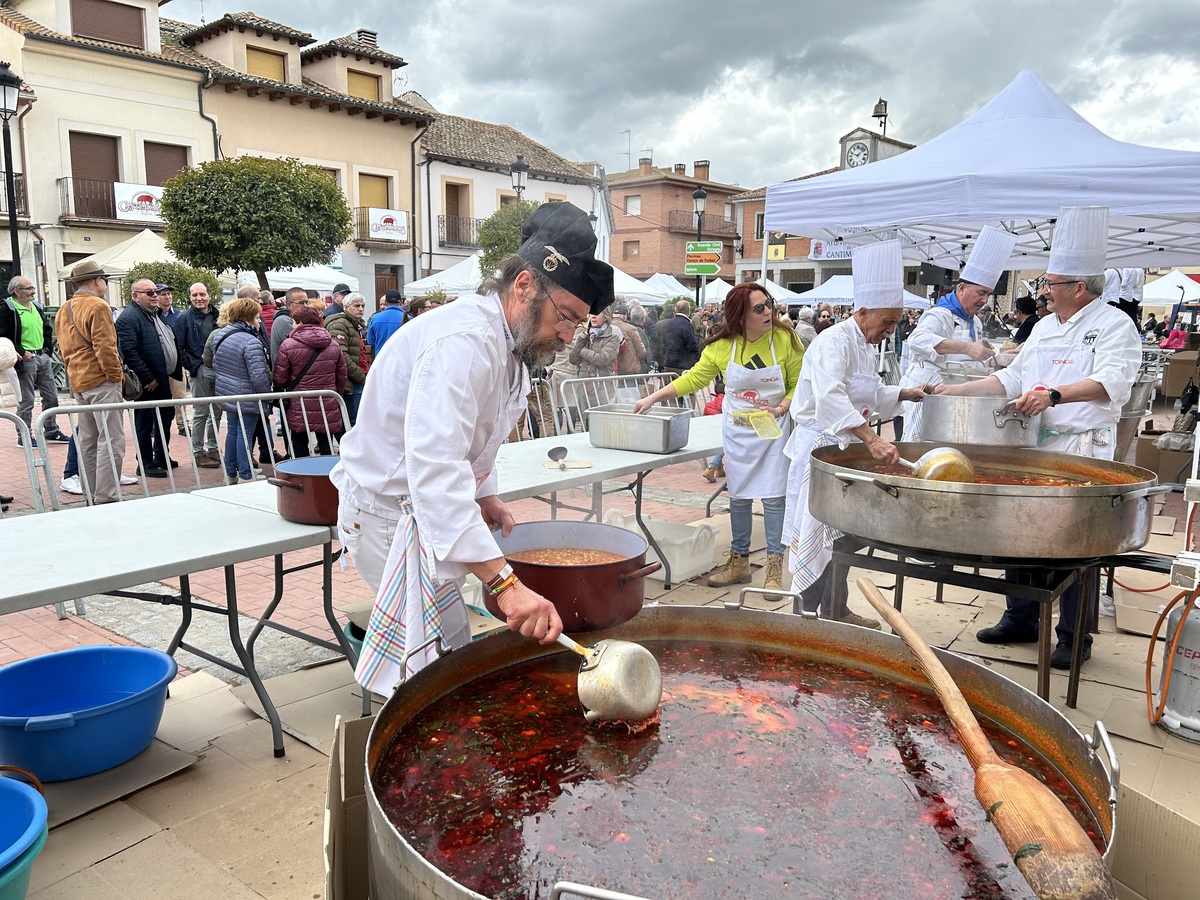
(138, 202)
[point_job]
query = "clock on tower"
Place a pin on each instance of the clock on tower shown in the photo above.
(857, 154)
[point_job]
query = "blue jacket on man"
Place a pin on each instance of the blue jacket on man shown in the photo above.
(192, 329)
(141, 350)
(383, 325)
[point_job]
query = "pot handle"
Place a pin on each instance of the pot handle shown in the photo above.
(645, 570)
(1142, 492)
(1098, 740)
(570, 888)
(848, 477)
(50, 723)
(280, 483)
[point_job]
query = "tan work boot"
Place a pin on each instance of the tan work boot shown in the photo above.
(774, 579)
(720, 471)
(736, 571)
(849, 618)
(710, 472)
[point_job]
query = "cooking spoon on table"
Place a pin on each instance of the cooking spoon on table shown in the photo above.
(618, 681)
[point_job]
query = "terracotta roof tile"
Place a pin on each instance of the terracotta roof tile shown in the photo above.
(349, 44)
(455, 137)
(28, 27)
(760, 193)
(246, 20)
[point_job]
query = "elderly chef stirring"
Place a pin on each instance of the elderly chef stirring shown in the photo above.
(839, 388)
(417, 492)
(1076, 369)
(949, 337)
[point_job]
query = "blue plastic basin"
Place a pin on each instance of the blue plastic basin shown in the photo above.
(22, 819)
(14, 878)
(77, 712)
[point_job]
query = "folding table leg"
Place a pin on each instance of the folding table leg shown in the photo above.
(247, 661)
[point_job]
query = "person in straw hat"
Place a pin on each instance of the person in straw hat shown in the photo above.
(838, 390)
(87, 343)
(1076, 370)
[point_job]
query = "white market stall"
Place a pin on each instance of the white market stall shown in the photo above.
(778, 292)
(1170, 289)
(144, 247)
(321, 279)
(838, 290)
(461, 278)
(1015, 162)
(715, 291)
(625, 285)
(670, 285)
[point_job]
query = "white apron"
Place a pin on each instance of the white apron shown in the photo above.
(1081, 428)
(811, 541)
(926, 371)
(754, 467)
(398, 621)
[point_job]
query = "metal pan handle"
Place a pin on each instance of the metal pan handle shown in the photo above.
(1142, 492)
(280, 483)
(648, 569)
(586, 890)
(847, 478)
(766, 594)
(1099, 739)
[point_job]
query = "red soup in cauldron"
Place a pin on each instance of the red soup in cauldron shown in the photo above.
(770, 775)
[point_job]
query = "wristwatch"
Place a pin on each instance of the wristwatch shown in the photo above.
(1055, 397)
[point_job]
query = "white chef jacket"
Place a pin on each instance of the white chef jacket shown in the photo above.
(926, 365)
(1099, 342)
(436, 395)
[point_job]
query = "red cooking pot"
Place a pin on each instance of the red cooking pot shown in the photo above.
(587, 597)
(306, 494)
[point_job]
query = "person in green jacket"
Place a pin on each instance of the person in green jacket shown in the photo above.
(348, 330)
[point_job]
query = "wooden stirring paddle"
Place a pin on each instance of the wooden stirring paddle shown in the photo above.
(1050, 848)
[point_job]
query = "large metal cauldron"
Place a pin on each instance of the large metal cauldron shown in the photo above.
(991, 520)
(398, 870)
(992, 421)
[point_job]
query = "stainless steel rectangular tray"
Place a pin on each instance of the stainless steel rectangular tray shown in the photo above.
(662, 429)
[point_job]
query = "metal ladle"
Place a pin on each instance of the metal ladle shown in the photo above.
(558, 454)
(941, 464)
(618, 681)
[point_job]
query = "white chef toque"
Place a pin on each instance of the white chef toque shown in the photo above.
(989, 256)
(1133, 281)
(878, 276)
(1080, 241)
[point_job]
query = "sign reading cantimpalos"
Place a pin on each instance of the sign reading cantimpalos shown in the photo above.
(830, 250)
(387, 224)
(138, 202)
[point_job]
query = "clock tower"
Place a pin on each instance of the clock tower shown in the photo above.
(862, 146)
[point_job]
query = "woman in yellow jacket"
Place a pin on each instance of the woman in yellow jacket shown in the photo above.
(760, 361)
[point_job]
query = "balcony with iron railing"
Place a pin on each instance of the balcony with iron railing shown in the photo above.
(685, 220)
(87, 198)
(458, 231)
(19, 187)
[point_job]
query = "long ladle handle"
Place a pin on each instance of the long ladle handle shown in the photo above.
(911, 466)
(574, 646)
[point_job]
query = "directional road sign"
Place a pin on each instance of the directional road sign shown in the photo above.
(701, 268)
(705, 247)
(703, 258)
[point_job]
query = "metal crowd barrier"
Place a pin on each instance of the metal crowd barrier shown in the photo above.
(31, 465)
(202, 407)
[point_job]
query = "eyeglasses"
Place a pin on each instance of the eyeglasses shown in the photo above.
(1050, 285)
(758, 308)
(824, 316)
(563, 318)
(147, 293)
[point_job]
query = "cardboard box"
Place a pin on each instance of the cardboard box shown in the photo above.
(346, 875)
(1180, 367)
(1146, 455)
(1170, 462)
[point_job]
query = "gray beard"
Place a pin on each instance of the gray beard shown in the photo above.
(527, 348)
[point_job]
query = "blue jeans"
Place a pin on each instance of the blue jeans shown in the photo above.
(740, 522)
(72, 466)
(237, 445)
(717, 461)
(352, 401)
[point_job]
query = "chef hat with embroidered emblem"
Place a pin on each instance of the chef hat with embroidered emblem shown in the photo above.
(1133, 281)
(1080, 241)
(558, 240)
(989, 256)
(878, 276)
(1112, 285)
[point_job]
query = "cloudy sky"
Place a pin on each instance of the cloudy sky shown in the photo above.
(764, 90)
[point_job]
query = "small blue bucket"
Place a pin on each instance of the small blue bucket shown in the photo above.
(22, 835)
(77, 712)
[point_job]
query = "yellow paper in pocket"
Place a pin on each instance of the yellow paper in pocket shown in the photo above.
(763, 422)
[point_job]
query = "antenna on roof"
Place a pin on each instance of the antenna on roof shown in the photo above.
(649, 150)
(202, 22)
(629, 150)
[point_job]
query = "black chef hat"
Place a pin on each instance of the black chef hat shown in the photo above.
(558, 240)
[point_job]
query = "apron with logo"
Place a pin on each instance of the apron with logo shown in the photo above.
(412, 605)
(754, 467)
(1082, 428)
(811, 541)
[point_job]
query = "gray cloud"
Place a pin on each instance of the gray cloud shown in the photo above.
(765, 89)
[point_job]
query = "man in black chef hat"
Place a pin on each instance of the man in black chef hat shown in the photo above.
(418, 464)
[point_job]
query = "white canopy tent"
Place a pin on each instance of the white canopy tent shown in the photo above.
(625, 285)
(778, 291)
(461, 278)
(1170, 289)
(321, 279)
(1015, 163)
(669, 284)
(715, 291)
(839, 291)
(144, 247)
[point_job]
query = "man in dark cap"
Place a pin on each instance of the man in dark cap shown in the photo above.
(418, 495)
(386, 322)
(341, 291)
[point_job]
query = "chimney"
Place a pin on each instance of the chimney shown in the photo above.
(364, 36)
(700, 169)
(645, 164)
(680, 168)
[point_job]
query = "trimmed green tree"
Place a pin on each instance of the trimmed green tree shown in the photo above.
(254, 214)
(178, 276)
(500, 233)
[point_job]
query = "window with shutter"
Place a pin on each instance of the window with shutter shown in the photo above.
(633, 204)
(266, 64)
(373, 191)
(164, 161)
(95, 167)
(455, 204)
(103, 20)
(362, 85)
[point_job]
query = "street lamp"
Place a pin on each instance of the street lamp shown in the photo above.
(519, 170)
(10, 94)
(699, 199)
